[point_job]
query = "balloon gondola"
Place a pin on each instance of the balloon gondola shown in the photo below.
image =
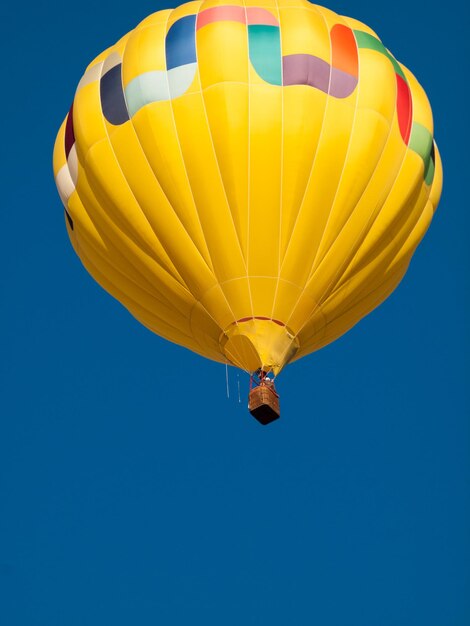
(248, 179)
(263, 399)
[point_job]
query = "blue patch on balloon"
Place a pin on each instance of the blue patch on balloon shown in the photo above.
(180, 43)
(113, 103)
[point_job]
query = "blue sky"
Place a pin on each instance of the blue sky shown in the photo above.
(132, 491)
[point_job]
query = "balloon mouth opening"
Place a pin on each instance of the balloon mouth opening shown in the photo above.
(258, 343)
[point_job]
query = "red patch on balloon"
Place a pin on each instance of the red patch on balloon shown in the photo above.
(404, 108)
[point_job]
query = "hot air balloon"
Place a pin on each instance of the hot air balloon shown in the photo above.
(249, 179)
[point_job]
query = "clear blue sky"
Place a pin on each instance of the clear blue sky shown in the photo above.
(130, 495)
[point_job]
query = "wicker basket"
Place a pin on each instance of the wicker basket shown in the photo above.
(263, 404)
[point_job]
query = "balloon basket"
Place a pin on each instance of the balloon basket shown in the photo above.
(263, 404)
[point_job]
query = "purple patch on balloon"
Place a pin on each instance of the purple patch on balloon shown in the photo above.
(342, 84)
(306, 69)
(69, 138)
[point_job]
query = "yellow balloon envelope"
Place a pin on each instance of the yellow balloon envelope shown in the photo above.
(248, 178)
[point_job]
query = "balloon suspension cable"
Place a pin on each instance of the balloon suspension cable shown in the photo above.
(226, 380)
(238, 383)
(260, 378)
